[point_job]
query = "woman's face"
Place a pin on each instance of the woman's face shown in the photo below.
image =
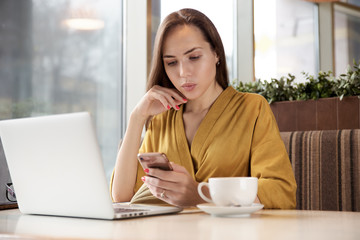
(189, 61)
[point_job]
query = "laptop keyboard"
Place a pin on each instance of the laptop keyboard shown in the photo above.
(128, 210)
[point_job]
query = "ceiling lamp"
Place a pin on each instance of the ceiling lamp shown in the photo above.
(84, 19)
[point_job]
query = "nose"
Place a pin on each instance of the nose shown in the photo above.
(183, 70)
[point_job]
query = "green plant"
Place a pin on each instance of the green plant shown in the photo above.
(253, 87)
(323, 85)
(349, 84)
(280, 90)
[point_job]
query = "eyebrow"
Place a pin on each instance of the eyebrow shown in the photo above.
(187, 52)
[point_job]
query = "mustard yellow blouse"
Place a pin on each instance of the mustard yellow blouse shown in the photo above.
(238, 137)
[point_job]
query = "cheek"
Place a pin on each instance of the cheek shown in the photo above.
(207, 70)
(171, 73)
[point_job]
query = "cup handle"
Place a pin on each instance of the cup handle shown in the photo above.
(202, 195)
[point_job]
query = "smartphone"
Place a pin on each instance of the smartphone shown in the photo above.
(154, 160)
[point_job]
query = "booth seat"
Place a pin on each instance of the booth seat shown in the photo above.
(326, 165)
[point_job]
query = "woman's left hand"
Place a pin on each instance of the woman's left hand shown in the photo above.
(175, 187)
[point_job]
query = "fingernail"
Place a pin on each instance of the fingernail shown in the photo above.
(185, 99)
(168, 107)
(146, 170)
(177, 107)
(143, 179)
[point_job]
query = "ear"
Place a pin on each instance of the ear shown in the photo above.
(216, 58)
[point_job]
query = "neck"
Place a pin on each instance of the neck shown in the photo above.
(205, 101)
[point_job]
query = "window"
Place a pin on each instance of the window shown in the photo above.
(353, 2)
(221, 13)
(63, 56)
(347, 36)
(284, 38)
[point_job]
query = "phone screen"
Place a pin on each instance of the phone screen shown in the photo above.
(154, 160)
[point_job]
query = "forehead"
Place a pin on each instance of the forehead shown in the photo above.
(182, 38)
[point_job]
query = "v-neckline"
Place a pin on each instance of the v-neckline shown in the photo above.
(205, 126)
(193, 121)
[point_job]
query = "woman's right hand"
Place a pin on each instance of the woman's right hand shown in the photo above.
(157, 100)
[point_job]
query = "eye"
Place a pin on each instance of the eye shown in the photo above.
(172, 63)
(195, 57)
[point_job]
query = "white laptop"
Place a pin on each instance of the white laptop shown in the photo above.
(56, 169)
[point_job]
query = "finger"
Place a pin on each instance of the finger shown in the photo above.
(173, 100)
(172, 195)
(165, 98)
(158, 190)
(179, 168)
(168, 179)
(158, 174)
(159, 183)
(176, 96)
(165, 195)
(162, 98)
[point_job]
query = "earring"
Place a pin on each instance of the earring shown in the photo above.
(218, 63)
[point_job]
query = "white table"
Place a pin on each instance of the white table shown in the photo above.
(264, 224)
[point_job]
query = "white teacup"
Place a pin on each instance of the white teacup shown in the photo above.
(230, 191)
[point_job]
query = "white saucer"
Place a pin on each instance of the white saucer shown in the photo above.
(229, 211)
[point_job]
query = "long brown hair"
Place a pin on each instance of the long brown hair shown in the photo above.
(193, 17)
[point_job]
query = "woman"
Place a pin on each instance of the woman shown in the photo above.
(206, 128)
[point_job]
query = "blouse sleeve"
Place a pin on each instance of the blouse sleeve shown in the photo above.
(270, 163)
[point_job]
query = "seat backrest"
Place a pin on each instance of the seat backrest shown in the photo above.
(326, 165)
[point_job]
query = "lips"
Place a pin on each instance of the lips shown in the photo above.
(188, 86)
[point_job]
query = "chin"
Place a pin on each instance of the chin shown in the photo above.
(190, 95)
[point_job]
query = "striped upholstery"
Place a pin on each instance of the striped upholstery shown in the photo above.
(326, 166)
